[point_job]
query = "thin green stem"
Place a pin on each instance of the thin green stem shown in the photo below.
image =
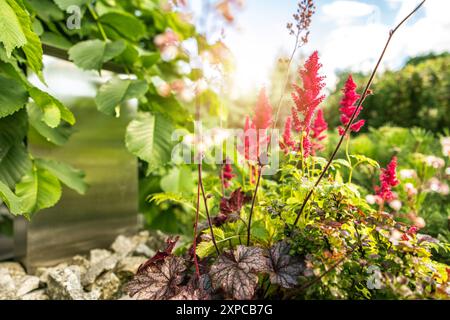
(249, 226)
(349, 159)
(205, 201)
(194, 244)
(99, 25)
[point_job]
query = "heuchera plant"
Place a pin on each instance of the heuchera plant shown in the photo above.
(302, 233)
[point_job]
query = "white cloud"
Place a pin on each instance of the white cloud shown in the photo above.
(357, 45)
(345, 10)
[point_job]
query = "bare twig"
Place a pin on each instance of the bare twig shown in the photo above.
(358, 107)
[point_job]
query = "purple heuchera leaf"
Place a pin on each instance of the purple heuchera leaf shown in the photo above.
(196, 289)
(284, 269)
(159, 281)
(234, 203)
(160, 255)
(236, 272)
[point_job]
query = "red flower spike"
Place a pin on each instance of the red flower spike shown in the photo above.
(320, 126)
(263, 112)
(348, 107)
(388, 179)
(319, 132)
(307, 146)
(308, 98)
(227, 174)
(287, 144)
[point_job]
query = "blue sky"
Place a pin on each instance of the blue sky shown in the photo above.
(347, 34)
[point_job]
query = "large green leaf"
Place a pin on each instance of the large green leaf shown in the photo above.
(14, 162)
(12, 201)
(179, 180)
(52, 108)
(117, 91)
(58, 136)
(13, 128)
(125, 23)
(38, 189)
(68, 175)
(91, 54)
(47, 10)
(33, 47)
(149, 138)
(64, 4)
(13, 96)
(11, 35)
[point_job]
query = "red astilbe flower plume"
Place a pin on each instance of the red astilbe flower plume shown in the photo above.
(288, 143)
(227, 174)
(388, 180)
(348, 107)
(263, 112)
(319, 131)
(308, 98)
(248, 146)
(255, 138)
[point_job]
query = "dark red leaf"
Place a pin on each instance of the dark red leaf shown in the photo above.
(160, 255)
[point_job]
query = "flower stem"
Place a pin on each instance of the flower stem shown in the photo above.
(249, 226)
(205, 201)
(357, 109)
(194, 244)
(349, 159)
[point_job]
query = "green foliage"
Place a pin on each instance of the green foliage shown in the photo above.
(68, 175)
(117, 35)
(112, 94)
(92, 54)
(12, 35)
(12, 201)
(342, 248)
(38, 189)
(417, 151)
(12, 97)
(149, 138)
